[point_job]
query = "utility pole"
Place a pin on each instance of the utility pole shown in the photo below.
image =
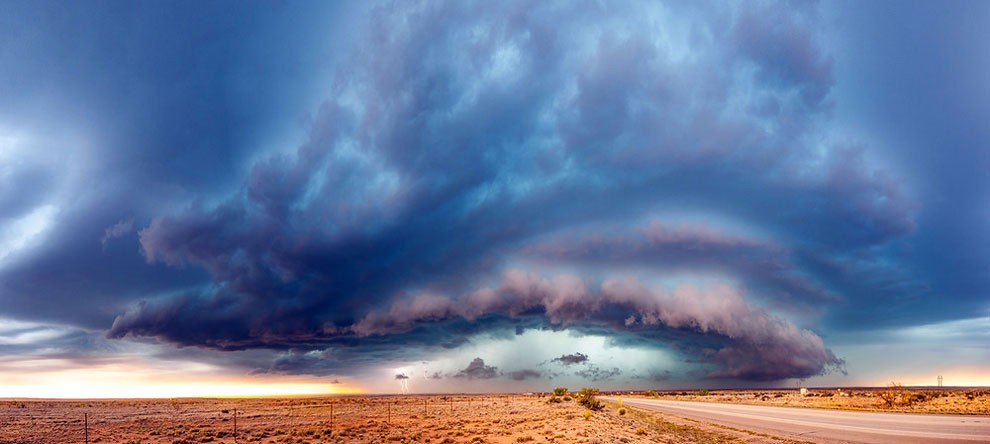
(940, 382)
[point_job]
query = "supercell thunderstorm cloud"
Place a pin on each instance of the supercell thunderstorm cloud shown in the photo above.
(517, 192)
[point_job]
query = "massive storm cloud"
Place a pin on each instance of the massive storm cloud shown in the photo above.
(459, 138)
(671, 176)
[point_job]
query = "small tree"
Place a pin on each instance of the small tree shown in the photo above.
(560, 391)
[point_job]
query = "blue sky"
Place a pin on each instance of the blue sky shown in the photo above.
(485, 197)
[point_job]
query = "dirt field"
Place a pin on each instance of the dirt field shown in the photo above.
(964, 401)
(424, 419)
(401, 419)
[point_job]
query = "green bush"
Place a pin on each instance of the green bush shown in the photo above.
(560, 391)
(588, 398)
(587, 392)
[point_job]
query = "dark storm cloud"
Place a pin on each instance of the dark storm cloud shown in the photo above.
(891, 89)
(575, 358)
(478, 370)
(524, 374)
(720, 327)
(484, 137)
(401, 376)
(457, 143)
(597, 374)
(119, 112)
(765, 265)
(28, 341)
(655, 376)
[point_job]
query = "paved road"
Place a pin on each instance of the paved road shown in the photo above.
(830, 426)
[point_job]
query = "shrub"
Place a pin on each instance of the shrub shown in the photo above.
(895, 393)
(587, 415)
(560, 391)
(650, 393)
(588, 398)
(622, 411)
(702, 392)
(641, 431)
(588, 392)
(592, 404)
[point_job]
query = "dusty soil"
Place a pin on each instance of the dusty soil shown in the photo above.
(968, 401)
(426, 419)
(381, 419)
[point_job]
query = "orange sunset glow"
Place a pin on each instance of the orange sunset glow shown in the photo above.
(123, 380)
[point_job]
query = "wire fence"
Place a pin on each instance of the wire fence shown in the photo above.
(184, 421)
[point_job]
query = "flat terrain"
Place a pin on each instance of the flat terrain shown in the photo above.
(829, 426)
(373, 419)
(476, 419)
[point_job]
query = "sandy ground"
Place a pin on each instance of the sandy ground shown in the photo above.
(384, 419)
(967, 401)
(423, 419)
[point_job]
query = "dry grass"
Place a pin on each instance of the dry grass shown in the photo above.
(383, 419)
(958, 401)
(422, 419)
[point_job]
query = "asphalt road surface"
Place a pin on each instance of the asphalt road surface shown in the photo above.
(829, 426)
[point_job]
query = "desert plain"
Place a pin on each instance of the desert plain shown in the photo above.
(487, 418)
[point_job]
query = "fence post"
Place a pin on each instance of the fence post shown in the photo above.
(86, 425)
(388, 405)
(331, 417)
(425, 412)
(235, 426)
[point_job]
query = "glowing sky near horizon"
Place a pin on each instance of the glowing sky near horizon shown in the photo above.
(229, 199)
